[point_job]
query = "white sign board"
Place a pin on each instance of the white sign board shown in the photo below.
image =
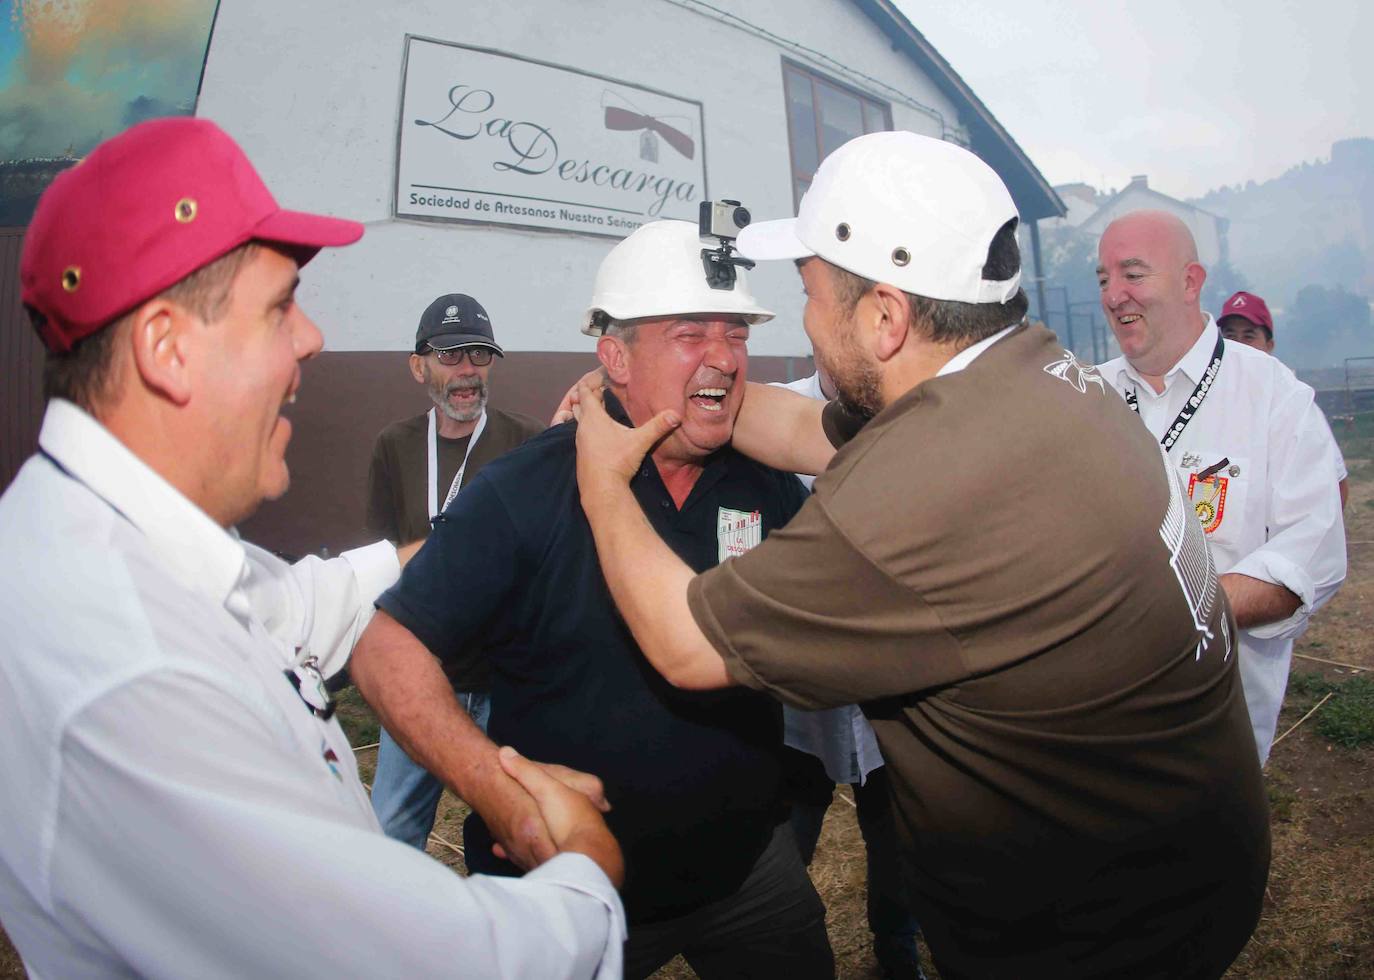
(490, 137)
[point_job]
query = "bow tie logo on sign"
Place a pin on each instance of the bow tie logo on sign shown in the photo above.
(649, 128)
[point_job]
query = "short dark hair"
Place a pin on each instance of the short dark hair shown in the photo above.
(86, 374)
(950, 321)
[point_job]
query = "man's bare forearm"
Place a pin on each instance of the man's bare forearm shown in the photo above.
(1256, 602)
(782, 429)
(414, 701)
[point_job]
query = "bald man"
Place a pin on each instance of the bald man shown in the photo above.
(1246, 439)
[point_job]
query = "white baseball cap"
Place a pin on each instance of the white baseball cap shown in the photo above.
(913, 211)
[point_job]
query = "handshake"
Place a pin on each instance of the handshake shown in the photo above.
(559, 810)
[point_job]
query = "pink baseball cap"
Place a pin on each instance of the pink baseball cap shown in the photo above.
(1250, 307)
(141, 212)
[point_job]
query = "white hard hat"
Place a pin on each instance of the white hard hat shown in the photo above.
(899, 208)
(657, 271)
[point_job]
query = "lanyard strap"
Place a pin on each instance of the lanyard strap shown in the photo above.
(1194, 402)
(432, 484)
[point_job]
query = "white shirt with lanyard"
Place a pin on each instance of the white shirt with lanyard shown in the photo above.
(432, 483)
(1257, 469)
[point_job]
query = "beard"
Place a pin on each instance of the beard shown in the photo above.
(439, 394)
(855, 378)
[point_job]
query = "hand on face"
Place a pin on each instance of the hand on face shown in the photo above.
(564, 411)
(608, 453)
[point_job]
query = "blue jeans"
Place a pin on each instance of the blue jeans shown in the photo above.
(405, 796)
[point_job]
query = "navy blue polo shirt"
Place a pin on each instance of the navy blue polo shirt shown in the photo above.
(511, 573)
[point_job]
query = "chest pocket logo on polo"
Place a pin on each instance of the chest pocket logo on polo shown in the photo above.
(737, 531)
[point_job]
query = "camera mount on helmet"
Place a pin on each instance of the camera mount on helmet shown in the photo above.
(722, 220)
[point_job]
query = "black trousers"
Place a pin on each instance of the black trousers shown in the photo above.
(773, 927)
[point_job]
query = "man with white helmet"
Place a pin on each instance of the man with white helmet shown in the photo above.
(1000, 568)
(693, 779)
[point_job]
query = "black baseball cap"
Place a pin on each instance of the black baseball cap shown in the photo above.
(455, 320)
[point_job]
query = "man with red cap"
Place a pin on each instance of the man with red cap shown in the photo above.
(1245, 319)
(179, 799)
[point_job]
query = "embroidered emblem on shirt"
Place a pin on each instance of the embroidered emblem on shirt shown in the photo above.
(1075, 373)
(737, 531)
(1209, 499)
(331, 760)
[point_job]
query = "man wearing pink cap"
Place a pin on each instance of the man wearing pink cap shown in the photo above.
(1245, 318)
(179, 799)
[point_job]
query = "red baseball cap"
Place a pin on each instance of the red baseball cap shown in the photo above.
(1250, 307)
(141, 212)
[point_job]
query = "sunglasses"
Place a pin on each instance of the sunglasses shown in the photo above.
(477, 356)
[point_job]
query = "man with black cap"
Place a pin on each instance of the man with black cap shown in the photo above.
(418, 467)
(999, 567)
(179, 800)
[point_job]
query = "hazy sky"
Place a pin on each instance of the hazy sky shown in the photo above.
(1193, 94)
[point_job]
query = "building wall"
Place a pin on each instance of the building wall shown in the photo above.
(312, 91)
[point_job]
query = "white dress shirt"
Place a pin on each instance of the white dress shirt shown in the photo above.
(1274, 511)
(172, 807)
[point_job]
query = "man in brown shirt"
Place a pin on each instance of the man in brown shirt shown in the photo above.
(418, 466)
(999, 568)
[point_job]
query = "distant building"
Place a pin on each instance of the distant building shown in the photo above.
(1082, 202)
(1209, 230)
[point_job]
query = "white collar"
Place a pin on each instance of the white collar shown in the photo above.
(1191, 365)
(196, 550)
(968, 355)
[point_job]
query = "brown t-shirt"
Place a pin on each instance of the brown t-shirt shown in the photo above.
(398, 500)
(1000, 568)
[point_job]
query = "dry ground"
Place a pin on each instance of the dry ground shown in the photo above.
(1318, 920)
